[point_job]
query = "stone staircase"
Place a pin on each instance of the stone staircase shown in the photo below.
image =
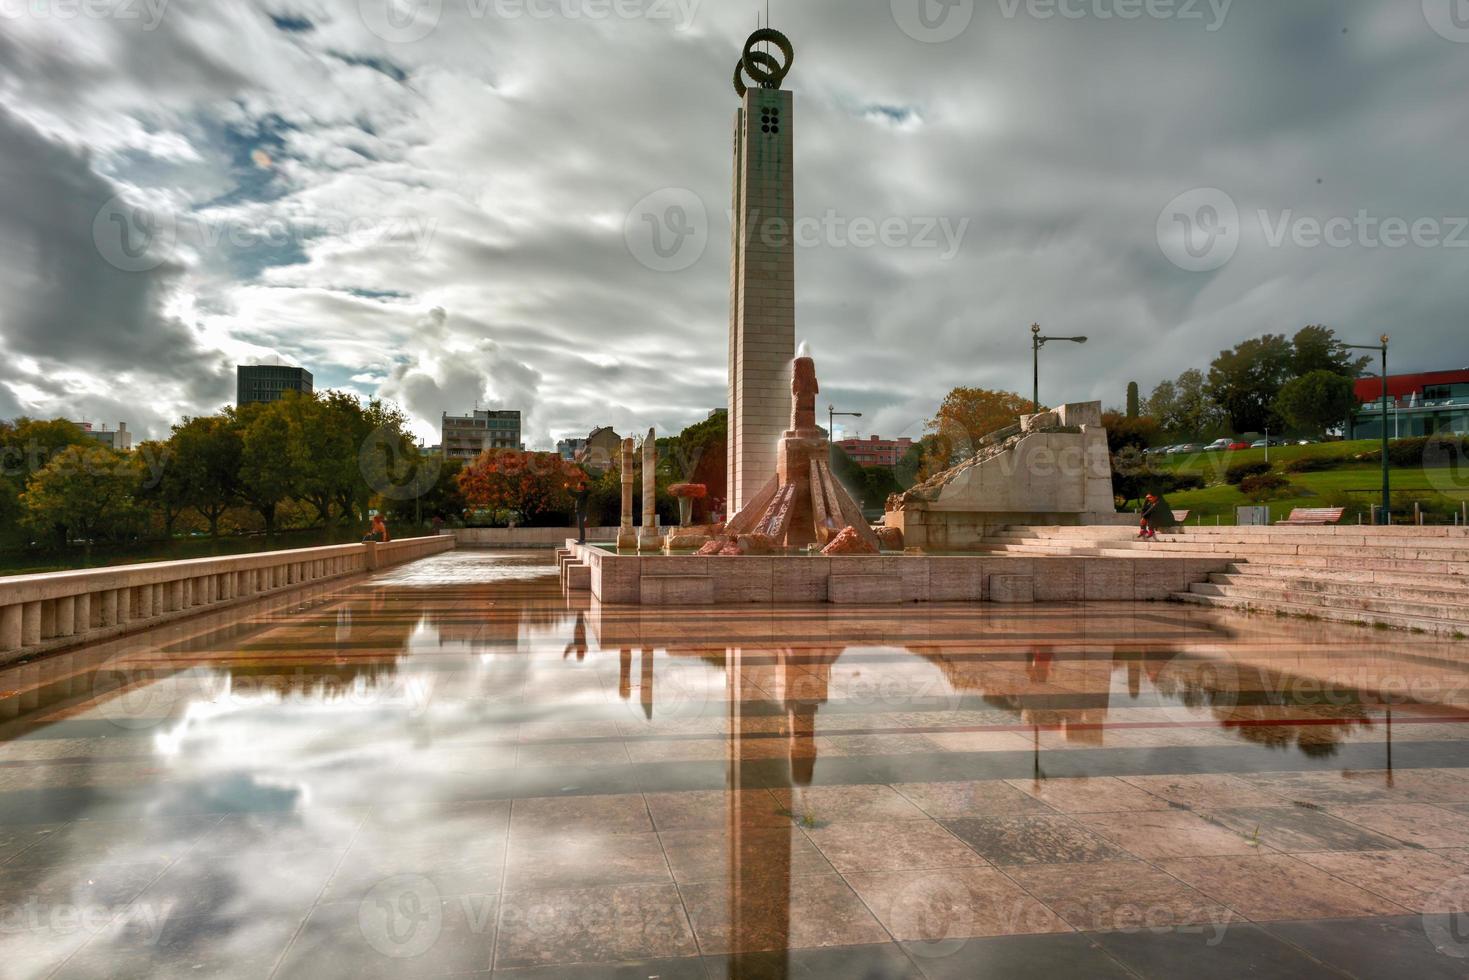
(1405, 578)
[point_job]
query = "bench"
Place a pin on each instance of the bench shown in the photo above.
(1314, 516)
(1181, 516)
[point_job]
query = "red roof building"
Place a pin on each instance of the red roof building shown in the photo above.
(875, 450)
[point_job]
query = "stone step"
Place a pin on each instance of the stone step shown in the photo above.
(1386, 605)
(1408, 588)
(1359, 617)
(1453, 548)
(1448, 584)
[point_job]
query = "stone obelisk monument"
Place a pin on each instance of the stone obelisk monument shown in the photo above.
(762, 301)
(627, 535)
(650, 539)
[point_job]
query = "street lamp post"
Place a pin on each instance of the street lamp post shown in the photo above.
(831, 416)
(1036, 343)
(1386, 477)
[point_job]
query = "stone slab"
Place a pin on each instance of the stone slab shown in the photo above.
(1012, 589)
(849, 589)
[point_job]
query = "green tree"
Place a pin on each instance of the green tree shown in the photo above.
(266, 476)
(86, 492)
(966, 416)
(1246, 380)
(1184, 408)
(322, 452)
(1134, 400)
(26, 445)
(1316, 348)
(205, 454)
(161, 487)
(1317, 402)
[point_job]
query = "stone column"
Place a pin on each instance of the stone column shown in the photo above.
(650, 540)
(10, 627)
(627, 535)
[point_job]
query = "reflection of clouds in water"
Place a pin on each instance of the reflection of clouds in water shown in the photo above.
(465, 568)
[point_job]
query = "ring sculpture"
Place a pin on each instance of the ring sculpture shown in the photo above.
(762, 67)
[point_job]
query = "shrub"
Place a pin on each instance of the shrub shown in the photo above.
(1239, 472)
(1266, 486)
(1314, 464)
(1177, 482)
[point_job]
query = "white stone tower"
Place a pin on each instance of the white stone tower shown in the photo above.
(762, 301)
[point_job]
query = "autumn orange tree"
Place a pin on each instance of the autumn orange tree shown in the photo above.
(966, 416)
(516, 485)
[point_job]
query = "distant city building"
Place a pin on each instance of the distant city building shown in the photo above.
(119, 439)
(875, 450)
(255, 383)
(466, 436)
(570, 449)
(601, 450)
(1418, 405)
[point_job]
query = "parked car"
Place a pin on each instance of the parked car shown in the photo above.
(1187, 447)
(1218, 445)
(1235, 447)
(1263, 443)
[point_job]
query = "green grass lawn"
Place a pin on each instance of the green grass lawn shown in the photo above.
(1355, 485)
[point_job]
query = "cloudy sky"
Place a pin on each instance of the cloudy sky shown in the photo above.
(449, 201)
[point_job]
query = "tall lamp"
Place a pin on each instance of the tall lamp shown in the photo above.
(1036, 343)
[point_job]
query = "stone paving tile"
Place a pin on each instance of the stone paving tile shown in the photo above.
(473, 866)
(1321, 788)
(584, 860)
(1413, 823)
(779, 913)
(706, 855)
(568, 815)
(687, 968)
(901, 846)
(678, 750)
(592, 925)
(603, 753)
(1276, 886)
(1108, 896)
(1378, 949)
(1243, 950)
(970, 799)
(701, 810)
(403, 931)
(938, 906)
(1294, 829)
(1032, 840)
(1418, 880)
(179, 945)
(1166, 833)
(1203, 791)
(856, 804)
(1101, 794)
(980, 741)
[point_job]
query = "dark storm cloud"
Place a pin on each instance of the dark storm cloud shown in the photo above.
(515, 147)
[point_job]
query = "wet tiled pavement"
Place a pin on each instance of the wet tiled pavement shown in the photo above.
(451, 769)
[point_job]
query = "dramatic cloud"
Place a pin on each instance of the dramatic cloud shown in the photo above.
(448, 202)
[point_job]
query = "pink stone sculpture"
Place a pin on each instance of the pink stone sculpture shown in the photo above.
(849, 542)
(803, 504)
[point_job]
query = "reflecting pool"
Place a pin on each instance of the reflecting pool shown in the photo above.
(450, 768)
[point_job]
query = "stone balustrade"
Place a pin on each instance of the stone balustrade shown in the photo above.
(59, 609)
